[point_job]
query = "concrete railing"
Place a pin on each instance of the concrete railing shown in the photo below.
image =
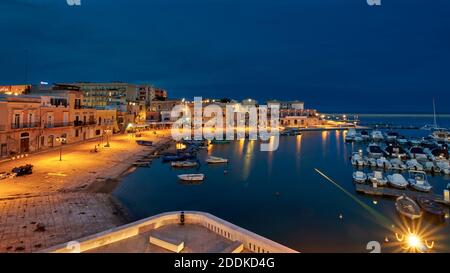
(221, 227)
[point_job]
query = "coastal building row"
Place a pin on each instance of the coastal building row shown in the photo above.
(34, 122)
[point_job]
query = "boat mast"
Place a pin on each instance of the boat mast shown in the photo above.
(434, 114)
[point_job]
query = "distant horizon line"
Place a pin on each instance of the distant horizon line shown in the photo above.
(391, 115)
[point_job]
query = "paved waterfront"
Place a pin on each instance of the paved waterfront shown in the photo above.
(65, 197)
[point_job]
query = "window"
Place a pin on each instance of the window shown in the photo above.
(16, 120)
(77, 133)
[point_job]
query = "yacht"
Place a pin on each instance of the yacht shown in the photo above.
(419, 181)
(441, 135)
(375, 151)
(438, 153)
(377, 135)
(397, 180)
(418, 153)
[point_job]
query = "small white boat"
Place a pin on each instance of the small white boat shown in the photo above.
(216, 160)
(358, 138)
(365, 135)
(191, 177)
(408, 208)
(382, 162)
(402, 140)
(370, 161)
(398, 181)
(391, 136)
(375, 151)
(183, 164)
(414, 165)
(350, 136)
(357, 160)
(418, 153)
(378, 178)
(397, 164)
(429, 166)
(377, 135)
(444, 165)
(419, 181)
(359, 177)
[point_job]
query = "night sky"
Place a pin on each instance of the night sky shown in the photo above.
(336, 55)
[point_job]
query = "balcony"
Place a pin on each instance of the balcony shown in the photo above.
(79, 123)
(27, 125)
(58, 124)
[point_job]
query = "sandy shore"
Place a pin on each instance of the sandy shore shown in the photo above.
(68, 199)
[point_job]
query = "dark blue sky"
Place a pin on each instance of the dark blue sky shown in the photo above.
(337, 55)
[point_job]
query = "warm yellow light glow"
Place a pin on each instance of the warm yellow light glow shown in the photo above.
(414, 241)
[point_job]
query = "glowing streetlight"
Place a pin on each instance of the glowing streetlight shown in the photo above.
(107, 132)
(61, 141)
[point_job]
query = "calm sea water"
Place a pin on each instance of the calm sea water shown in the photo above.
(279, 194)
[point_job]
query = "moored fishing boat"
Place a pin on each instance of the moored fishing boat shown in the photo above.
(216, 160)
(191, 177)
(184, 164)
(431, 207)
(408, 208)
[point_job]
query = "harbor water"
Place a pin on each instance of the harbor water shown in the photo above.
(282, 196)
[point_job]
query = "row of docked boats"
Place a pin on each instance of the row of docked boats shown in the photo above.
(393, 157)
(417, 180)
(196, 177)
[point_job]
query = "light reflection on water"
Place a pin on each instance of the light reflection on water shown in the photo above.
(305, 213)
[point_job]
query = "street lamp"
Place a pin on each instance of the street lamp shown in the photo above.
(107, 132)
(61, 141)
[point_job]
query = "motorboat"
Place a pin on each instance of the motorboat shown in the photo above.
(357, 160)
(382, 162)
(418, 153)
(414, 141)
(428, 142)
(438, 153)
(184, 164)
(191, 177)
(359, 177)
(358, 138)
(392, 136)
(350, 136)
(431, 207)
(402, 140)
(216, 160)
(429, 166)
(370, 161)
(365, 135)
(378, 178)
(395, 151)
(377, 135)
(408, 208)
(444, 165)
(397, 180)
(414, 165)
(441, 135)
(375, 151)
(418, 181)
(398, 165)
